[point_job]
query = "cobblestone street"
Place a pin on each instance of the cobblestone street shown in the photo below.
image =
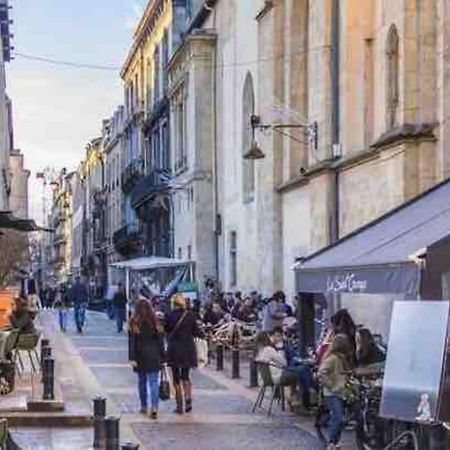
(222, 417)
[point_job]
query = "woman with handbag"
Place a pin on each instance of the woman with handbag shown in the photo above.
(181, 329)
(146, 351)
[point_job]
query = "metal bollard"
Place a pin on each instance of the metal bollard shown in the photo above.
(99, 422)
(46, 352)
(48, 376)
(219, 357)
(112, 433)
(253, 371)
(130, 446)
(235, 363)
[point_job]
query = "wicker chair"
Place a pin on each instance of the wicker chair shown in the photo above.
(277, 389)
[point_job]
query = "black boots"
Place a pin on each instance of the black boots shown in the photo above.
(178, 398)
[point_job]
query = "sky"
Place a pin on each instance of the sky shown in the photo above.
(58, 109)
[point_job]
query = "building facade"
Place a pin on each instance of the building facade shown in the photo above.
(147, 165)
(113, 144)
(351, 99)
(6, 144)
(18, 197)
(61, 240)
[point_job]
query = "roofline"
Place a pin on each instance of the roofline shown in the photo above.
(372, 223)
(139, 32)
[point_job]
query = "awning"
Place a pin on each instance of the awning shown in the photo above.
(383, 256)
(149, 262)
(8, 221)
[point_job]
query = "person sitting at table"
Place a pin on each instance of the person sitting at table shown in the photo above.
(281, 373)
(20, 317)
(246, 311)
(367, 351)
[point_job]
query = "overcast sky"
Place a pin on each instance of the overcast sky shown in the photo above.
(58, 109)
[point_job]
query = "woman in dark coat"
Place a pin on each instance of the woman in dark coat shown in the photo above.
(146, 350)
(181, 328)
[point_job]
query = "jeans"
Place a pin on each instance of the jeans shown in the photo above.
(153, 381)
(62, 313)
(120, 314)
(80, 315)
(110, 309)
(335, 424)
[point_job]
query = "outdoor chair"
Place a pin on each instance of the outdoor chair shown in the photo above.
(277, 390)
(27, 342)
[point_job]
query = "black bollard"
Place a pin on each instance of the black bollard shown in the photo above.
(130, 446)
(99, 422)
(48, 376)
(46, 352)
(219, 357)
(112, 433)
(253, 371)
(235, 363)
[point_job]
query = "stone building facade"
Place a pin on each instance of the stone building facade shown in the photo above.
(354, 98)
(18, 197)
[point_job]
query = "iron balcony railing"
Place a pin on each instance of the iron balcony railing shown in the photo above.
(131, 174)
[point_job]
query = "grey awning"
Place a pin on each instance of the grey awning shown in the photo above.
(381, 257)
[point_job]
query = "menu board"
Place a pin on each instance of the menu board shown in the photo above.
(414, 380)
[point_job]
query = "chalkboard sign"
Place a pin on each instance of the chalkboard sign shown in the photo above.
(416, 380)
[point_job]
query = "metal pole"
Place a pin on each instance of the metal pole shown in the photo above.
(253, 371)
(112, 433)
(219, 357)
(235, 363)
(46, 352)
(99, 406)
(49, 378)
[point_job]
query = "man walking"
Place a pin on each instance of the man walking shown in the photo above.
(79, 299)
(120, 306)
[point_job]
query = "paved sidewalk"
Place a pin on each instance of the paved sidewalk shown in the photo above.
(221, 419)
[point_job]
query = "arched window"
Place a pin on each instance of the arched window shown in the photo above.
(248, 166)
(392, 86)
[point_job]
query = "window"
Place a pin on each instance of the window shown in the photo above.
(189, 252)
(180, 253)
(165, 59)
(149, 85)
(156, 79)
(392, 82)
(156, 149)
(248, 167)
(180, 124)
(165, 147)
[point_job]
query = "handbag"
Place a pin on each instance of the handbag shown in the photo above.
(164, 385)
(201, 346)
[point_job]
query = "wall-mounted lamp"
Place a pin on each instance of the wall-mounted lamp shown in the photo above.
(255, 151)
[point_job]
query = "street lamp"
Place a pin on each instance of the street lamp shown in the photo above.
(255, 152)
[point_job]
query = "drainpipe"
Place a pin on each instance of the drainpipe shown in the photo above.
(215, 165)
(335, 109)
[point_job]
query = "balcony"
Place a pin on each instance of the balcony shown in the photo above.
(131, 174)
(128, 240)
(151, 188)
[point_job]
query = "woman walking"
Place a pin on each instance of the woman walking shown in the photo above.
(333, 378)
(146, 350)
(181, 328)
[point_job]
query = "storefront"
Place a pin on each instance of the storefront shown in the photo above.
(403, 255)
